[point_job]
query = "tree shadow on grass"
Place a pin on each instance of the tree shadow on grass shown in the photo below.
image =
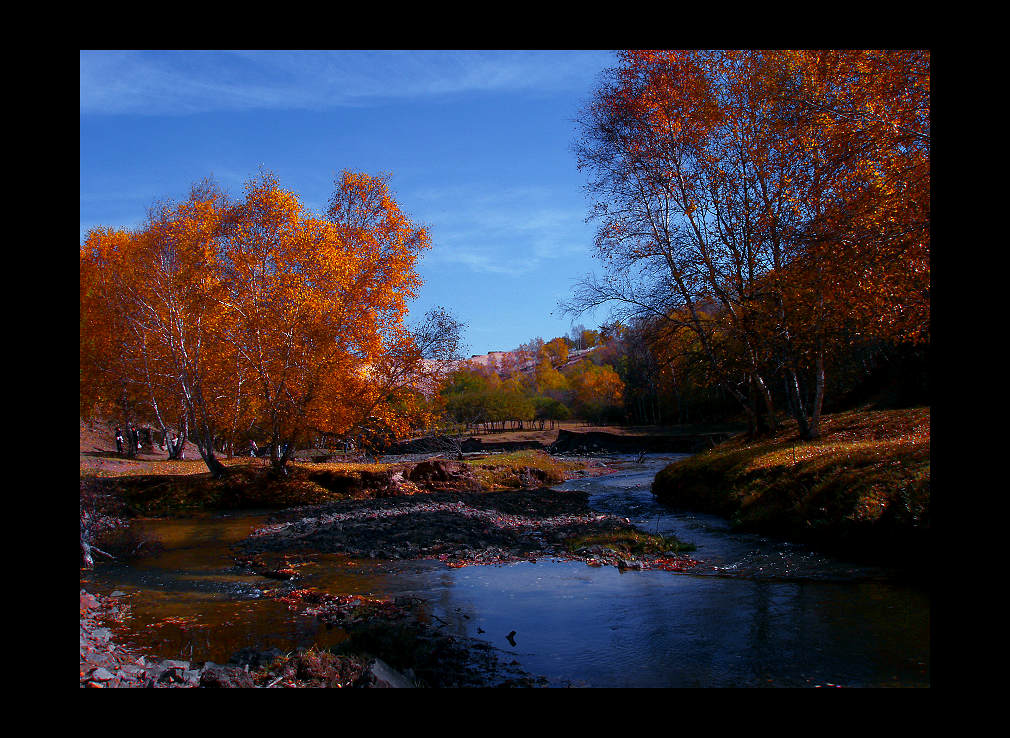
(98, 453)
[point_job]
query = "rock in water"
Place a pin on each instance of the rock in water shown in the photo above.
(386, 676)
(226, 677)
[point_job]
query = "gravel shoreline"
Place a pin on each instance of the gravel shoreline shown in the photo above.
(432, 659)
(460, 529)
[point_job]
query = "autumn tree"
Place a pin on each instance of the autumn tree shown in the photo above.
(464, 394)
(576, 336)
(640, 370)
(557, 351)
(613, 331)
(668, 376)
(860, 205)
(152, 321)
(548, 380)
(319, 307)
(590, 338)
(257, 314)
(762, 200)
(597, 391)
(528, 354)
(438, 350)
(550, 408)
(107, 380)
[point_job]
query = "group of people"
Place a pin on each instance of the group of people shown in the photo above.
(134, 437)
(255, 450)
(174, 446)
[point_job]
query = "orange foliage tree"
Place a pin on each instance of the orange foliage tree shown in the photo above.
(771, 201)
(151, 322)
(258, 315)
(557, 351)
(597, 389)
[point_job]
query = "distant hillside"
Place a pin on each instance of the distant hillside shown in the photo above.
(504, 361)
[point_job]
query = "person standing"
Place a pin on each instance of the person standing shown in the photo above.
(119, 440)
(253, 451)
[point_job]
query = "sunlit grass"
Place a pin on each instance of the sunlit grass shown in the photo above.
(500, 471)
(869, 469)
(136, 467)
(167, 487)
(629, 542)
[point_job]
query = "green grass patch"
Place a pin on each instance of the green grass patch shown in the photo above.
(520, 468)
(628, 542)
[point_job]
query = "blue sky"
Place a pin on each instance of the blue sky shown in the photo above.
(478, 144)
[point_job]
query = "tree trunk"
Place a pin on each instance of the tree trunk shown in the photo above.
(205, 445)
(758, 420)
(216, 468)
(279, 459)
(799, 409)
(766, 397)
(129, 441)
(815, 411)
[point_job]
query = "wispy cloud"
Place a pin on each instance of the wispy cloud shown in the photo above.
(182, 82)
(508, 231)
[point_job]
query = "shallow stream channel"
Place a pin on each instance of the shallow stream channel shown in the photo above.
(754, 612)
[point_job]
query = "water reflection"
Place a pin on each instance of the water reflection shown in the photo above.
(601, 627)
(756, 613)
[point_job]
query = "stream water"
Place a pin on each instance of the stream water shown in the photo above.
(754, 612)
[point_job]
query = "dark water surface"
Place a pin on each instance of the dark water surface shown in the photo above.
(755, 612)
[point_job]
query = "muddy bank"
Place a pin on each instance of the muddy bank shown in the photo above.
(566, 442)
(443, 444)
(569, 442)
(252, 484)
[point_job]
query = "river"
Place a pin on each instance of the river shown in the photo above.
(754, 612)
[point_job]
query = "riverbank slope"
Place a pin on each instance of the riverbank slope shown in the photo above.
(861, 490)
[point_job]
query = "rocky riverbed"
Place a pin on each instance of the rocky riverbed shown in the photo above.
(461, 529)
(107, 663)
(432, 510)
(424, 656)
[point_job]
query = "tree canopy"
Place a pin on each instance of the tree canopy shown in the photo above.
(225, 319)
(773, 203)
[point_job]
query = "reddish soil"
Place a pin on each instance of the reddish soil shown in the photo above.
(98, 449)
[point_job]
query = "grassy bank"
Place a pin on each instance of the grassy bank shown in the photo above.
(168, 488)
(862, 489)
(508, 471)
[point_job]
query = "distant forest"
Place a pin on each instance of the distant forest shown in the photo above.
(629, 375)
